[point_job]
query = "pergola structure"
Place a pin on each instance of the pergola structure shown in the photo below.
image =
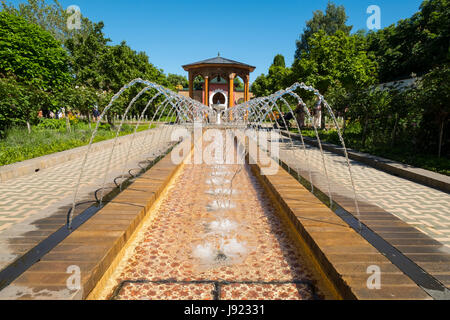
(219, 68)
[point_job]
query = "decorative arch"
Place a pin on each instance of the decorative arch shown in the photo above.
(218, 91)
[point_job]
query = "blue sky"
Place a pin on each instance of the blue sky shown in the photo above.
(173, 32)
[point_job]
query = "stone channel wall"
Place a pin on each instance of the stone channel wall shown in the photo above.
(339, 253)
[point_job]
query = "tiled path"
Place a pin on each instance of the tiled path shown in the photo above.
(424, 208)
(27, 201)
(193, 250)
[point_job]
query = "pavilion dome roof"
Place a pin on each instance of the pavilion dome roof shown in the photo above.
(217, 61)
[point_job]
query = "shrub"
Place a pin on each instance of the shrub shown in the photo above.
(52, 124)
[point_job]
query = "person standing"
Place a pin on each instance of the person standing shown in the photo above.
(96, 113)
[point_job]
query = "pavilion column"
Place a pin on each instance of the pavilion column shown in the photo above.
(206, 88)
(231, 94)
(246, 93)
(191, 86)
(247, 88)
(231, 91)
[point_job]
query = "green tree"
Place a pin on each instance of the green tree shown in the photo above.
(31, 54)
(414, 45)
(19, 104)
(278, 61)
(434, 95)
(261, 86)
(198, 83)
(176, 81)
(79, 98)
(338, 59)
(368, 107)
(338, 62)
(10, 95)
(277, 78)
(121, 64)
(332, 21)
(87, 52)
(238, 84)
(107, 68)
(118, 66)
(50, 17)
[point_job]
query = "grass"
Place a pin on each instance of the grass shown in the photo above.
(400, 152)
(51, 137)
(167, 119)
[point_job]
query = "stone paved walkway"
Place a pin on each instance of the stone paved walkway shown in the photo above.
(425, 208)
(48, 193)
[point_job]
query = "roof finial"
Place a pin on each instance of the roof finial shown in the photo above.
(218, 54)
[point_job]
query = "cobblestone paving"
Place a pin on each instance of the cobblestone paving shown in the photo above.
(23, 198)
(425, 208)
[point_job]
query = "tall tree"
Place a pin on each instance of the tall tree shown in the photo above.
(338, 59)
(31, 54)
(434, 94)
(177, 82)
(86, 53)
(277, 78)
(121, 64)
(101, 66)
(51, 17)
(336, 65)
(278, 61)
(334, 19)
(414, 45)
